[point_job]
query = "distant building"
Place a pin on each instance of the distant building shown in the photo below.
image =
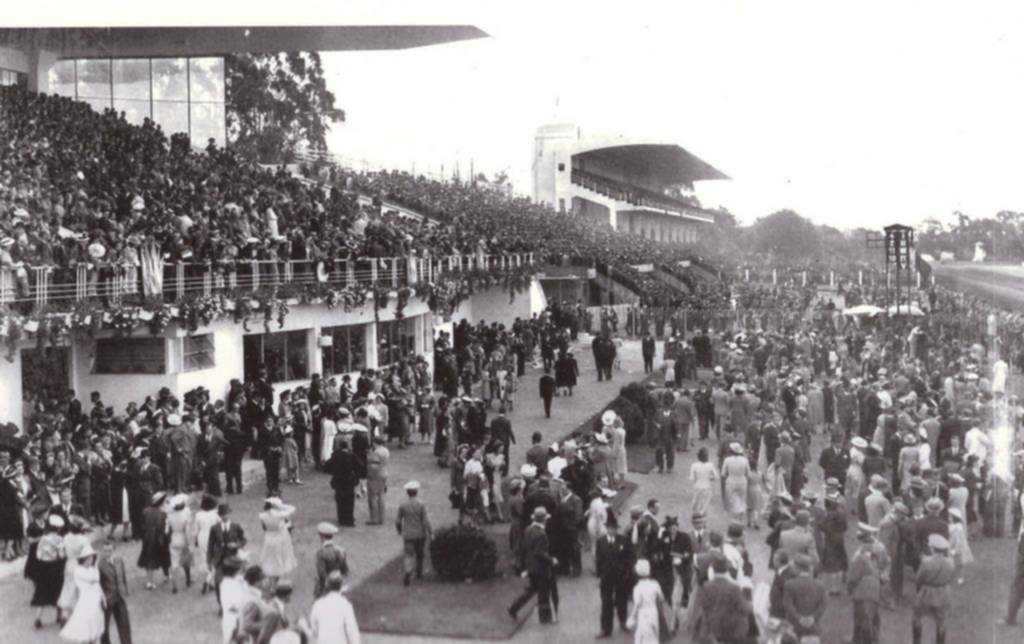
(638, 186)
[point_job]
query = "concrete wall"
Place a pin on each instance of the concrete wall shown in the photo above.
(493, 305)
(14, 59)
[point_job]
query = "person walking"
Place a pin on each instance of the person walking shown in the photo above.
(47, 572)
(205, 519)
(547, 391)
(615, 559)
(227, 537)
(179, 526)
(864, 583)
(332, 619)
(703, 476)
(86, 622)
(330, 558)
(934, 576)
(539, 571)
(277, 555)
(344, 480)
(413, 525)
(155, 552)
(377, 479)
(648, 607)
(804, 598)
(735, 472)
(647, 348)
(114, 584)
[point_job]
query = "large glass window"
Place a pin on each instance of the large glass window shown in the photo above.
(179, 94)
(198, 352)
(11, 77)
(396, 341)
(347, 352)
(285, 355)
(94, 79)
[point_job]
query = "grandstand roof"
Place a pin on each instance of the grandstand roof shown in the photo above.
(668, 164)
(129, 42)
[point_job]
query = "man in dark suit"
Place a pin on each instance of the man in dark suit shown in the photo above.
(114, 584)
(647, 348)
(804, 599)
(226, 538)
(547, 391)
(276, 617)
(539, 570)
(615, 559)
(724, 611)
(67, 509)
(344, 479)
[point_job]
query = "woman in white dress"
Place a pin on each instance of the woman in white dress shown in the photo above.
(619, 451)
(86, 622)
(179, 524)
(703, 476)
(206, 518)
(647, 604)
(277, 556)
(233, 597)
(75, 542)
(959, 548)
(735, 472)
(597, 521)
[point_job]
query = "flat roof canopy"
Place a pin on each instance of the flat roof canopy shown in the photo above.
(142, 42)
(668, 164)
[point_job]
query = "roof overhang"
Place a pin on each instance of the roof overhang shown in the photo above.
(690, 214)
(666, 163)
(142, 42)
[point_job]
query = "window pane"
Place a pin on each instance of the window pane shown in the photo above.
(131, 79)
(207, 123)
(274, 356)
(61, 78)
(357, 348)
(298, 355)
(207, 77)
(134, 111)
(252, 356)
(94, 79)
(172, 117)
(170, 79)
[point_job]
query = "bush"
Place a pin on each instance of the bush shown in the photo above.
(460, 552)
(632, 418)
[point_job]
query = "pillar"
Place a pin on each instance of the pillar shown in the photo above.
(803, 277)
(775, 278)
(39, 63)
(860, 277)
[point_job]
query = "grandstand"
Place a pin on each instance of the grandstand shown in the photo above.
(636, 186)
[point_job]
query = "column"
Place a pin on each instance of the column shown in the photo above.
(775, 277)
(370, 338)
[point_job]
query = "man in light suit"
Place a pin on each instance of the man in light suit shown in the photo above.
(414, 526)
(799, 540)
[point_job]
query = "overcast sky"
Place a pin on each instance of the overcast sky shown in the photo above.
(850, 113)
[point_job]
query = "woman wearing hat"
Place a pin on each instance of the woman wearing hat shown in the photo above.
(86, 623)
(834, 560)
(277, 556)
(735, 472)
(155, 552)
(75, 541)
(206, 518)
(959, 548)
(48, 570)
(648, 612)
(179, 526)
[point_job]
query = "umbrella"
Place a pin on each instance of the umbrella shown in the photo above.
(906, 309)
(863, 309)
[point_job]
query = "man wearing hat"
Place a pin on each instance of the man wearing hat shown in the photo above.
(934, 576)
(226, 538)
(834, 460)
(876, 504)
(868, 566)
(330, 558)
(182, 442)
(344, 480)
(614, 559)
(799, 539)
(332, 619)
(547, 388)
(931, 523)
(539, 570)
(413, 525)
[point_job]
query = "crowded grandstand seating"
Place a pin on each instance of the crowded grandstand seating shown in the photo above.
(86, 198)
(632, 194)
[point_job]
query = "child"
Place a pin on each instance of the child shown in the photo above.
(291, 455)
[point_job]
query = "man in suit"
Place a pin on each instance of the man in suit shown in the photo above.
(931, 523)
(563, 531)
(226, 538)
(182, 442)
(804, 598)
(344, 479)
(724, 611)
(276, 617)
(413, 524)
(539, 570)
(934, 576)
(547, 391)
(799, 539)
(645, 532)
(537, 455)
(114, 584)
(615, 559)
(330, 558)
(67, 508)
(647, 347)
(665, 433)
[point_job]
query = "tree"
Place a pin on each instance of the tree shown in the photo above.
(785, 234)
(277, 102)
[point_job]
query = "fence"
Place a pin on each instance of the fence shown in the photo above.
(41, 285)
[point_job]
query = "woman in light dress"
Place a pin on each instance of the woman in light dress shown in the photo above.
(621, 465)
(703, 477)
(234, 595)
(597, 521)
(179, 526)
(86, 622)
(815, 407)
(648, 601)
(855, 475)
(75, 542)
(277, 556)
(959, 548)
(206, 518)
(735, 472)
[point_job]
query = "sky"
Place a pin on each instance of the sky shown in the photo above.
(853, 114)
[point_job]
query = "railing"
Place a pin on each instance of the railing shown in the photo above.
(38, 286)
(632, 194)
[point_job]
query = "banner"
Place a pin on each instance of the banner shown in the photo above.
(152, 270)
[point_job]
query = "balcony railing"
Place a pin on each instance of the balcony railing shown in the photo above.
(37, 286)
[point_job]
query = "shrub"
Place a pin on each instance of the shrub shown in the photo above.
(632, 418)
(460, 552)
